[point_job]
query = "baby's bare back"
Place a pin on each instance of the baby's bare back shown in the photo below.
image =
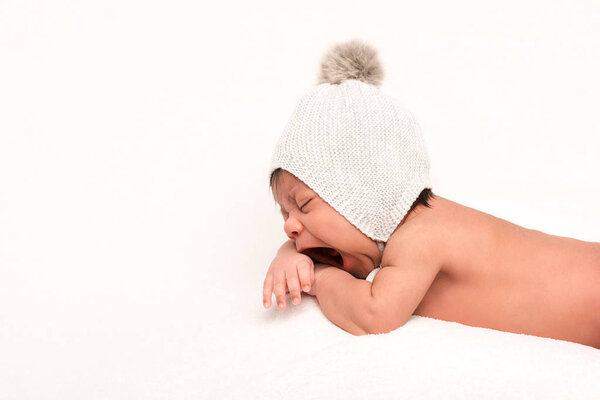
(498, 275)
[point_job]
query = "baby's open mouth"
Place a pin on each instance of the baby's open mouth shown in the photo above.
(325, 255)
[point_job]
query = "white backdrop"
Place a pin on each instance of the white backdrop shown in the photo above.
(135, 140)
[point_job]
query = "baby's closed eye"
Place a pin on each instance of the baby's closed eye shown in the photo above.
(304, 205)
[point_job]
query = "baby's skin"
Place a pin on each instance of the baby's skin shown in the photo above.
(447, 262)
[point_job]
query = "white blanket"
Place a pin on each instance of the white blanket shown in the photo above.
(298, 354)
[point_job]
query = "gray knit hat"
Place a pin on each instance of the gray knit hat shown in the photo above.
(355, 146)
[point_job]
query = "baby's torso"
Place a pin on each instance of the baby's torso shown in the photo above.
(498, 275)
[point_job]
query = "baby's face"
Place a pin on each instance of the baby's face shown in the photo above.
(322, 233)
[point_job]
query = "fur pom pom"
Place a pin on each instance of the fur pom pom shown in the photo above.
(351, 60)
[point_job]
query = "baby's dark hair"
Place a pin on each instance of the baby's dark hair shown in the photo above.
(423, 199)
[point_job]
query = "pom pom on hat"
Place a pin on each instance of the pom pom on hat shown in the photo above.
(351, 60)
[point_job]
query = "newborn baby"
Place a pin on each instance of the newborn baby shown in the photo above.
(351, 176)
(445, 261)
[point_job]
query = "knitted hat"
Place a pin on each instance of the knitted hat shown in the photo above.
(355, 146)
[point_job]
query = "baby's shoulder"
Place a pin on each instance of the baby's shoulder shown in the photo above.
(410, 243)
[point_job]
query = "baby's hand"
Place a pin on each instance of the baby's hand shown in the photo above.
(289, 271)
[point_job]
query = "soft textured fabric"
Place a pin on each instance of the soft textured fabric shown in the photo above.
(249, 352)
(359, 150)
(372, 274)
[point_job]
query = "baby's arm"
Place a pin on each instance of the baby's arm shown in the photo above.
(361, 307)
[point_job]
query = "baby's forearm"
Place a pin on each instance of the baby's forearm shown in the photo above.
(345, 300)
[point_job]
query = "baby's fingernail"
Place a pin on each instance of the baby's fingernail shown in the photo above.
(266, 304)
(295, 300)
(280, 305)
(307, 288)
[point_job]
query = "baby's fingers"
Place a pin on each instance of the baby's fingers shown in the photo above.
(304, 272)
(293, 286)
(279, 288)
(268, 290)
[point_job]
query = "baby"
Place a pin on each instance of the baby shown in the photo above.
(350, 174)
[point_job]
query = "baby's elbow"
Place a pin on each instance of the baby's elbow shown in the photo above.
(363, 332)
(379, 317)
(359, 332)
(364, 328)
(385, 323)
(383, 328)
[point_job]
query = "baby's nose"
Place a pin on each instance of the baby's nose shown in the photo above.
(292, 228)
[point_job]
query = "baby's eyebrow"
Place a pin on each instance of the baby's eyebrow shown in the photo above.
(290, 199)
